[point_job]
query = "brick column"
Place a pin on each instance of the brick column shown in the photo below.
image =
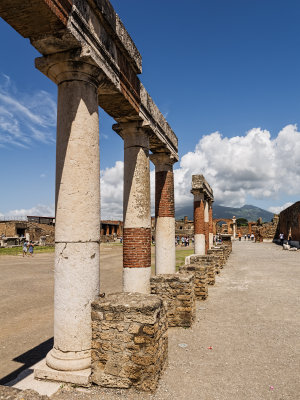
(77, 223)
(211, 228)
(199, 227)
(136, 209)
(206, 224)
(164, 214)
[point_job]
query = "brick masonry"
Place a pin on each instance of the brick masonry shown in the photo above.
(178, 292)
(129, 341)
(199, 217)
(201, 279)
(137, 247)
(164, 194)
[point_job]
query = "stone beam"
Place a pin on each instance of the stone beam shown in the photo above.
(200, 185)
(94, 30)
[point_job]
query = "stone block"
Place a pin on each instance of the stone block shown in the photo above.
(201, 278)
(178, 292)
(129, 341)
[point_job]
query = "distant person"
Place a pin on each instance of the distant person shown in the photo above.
(252, 236)
(281, 237)
(30, 249)
(245, 236)
(240, 236)
(182, 241)
(24, 248)
(248, 236)
(187, 241)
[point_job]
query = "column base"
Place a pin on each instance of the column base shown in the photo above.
(81, 377)
(68, 361)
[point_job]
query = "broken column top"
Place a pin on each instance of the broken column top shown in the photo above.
(200, 185)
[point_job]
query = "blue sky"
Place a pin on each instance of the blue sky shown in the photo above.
(224, 73)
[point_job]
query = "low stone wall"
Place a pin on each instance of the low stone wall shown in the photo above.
(129, 341)
(178, 291)
(210, 262)
(201, 279)
(220, 254)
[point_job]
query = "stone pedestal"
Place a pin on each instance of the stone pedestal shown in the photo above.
(130, 341)
(201, 279)
(208, 261)
(178, 291)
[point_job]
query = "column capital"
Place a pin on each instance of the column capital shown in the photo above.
(198, 195)
(134, 133)
(163, 161)
(69, 66)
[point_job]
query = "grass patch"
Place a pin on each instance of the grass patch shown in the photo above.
(181, 253)
(15, 251)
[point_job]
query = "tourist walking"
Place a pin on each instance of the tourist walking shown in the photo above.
(24, 248)
(30, 248)
(281, 237)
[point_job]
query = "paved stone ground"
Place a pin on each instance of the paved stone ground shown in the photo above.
(251, 320)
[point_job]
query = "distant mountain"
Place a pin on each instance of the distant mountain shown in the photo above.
(251, 213)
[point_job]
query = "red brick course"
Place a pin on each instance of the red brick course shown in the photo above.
(137, 247)
(211, 227)
(199, 217)
(164, 194)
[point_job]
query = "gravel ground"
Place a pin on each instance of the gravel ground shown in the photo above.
(251, 321)
(244, 344)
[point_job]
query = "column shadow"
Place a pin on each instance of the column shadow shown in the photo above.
(28, 359)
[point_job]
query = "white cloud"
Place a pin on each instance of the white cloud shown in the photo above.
(38, 210)
(253, 165)
(25, 118)
(111, 186)
(278, 209)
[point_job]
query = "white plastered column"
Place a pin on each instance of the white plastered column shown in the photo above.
(234, 227)
(136, 209)
(165, 257)
(77, 220)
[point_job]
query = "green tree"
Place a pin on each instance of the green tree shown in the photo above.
(242, 222)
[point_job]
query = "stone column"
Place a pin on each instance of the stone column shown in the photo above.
(77, 220)
(136, 209)
(211, 228)
(234, 227)
(199, 228)
(206, 225)
(164, 214)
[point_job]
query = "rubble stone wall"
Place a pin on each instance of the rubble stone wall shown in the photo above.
(129, 341)
(178, 291)
(201, 278)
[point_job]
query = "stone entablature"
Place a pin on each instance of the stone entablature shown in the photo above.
(93, 32)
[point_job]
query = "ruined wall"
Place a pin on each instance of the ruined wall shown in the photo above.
(184, 227)
(289, 222)
(36, 231)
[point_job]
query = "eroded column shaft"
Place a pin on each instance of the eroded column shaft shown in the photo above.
(164, 214)
(77, 224)
(137, 217)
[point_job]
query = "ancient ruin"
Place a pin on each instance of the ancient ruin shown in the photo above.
(88, 53)
(203, 199)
